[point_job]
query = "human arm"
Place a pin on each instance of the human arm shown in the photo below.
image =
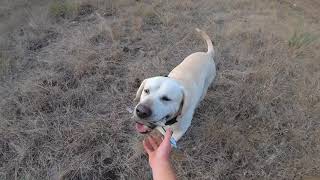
(159, 156)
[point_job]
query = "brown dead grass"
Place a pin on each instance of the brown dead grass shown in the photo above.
(66, 82)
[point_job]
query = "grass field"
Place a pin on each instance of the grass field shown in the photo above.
(69, 71)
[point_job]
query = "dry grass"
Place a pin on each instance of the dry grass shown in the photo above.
(70, 70)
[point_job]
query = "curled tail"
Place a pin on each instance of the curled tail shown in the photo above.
(208, 40)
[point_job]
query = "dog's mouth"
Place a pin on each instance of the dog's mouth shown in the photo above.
(143, 129)
(146, 128)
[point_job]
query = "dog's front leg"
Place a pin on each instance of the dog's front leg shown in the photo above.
(182, 125)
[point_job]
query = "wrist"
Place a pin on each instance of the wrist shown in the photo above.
(160, 163)
(163, 171)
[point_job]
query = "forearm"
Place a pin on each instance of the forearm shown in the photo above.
(163, 171)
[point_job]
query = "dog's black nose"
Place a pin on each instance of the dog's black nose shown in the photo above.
(143, 111)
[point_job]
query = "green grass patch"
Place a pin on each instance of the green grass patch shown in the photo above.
(62, 9)
(148, 14)
(299, 39)
(5, 66)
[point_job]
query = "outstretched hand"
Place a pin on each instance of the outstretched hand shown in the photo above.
(158, 149)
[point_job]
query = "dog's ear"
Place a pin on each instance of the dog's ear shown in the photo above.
(138, 94)
(185, 103)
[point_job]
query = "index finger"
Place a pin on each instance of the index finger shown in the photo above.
(167, 136)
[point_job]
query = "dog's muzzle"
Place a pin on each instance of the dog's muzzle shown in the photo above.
(143, 111)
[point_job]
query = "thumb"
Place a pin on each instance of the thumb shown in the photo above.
(167, 136)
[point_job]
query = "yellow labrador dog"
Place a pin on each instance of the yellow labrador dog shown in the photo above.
(170, 102)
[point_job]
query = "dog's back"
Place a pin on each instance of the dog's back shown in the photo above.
(198, 68)
(195, 74)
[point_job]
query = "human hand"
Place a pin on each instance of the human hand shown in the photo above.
(158, 149)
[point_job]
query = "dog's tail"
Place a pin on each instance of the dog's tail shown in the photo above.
(208, 40)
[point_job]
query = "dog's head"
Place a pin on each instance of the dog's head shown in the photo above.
(160, 99)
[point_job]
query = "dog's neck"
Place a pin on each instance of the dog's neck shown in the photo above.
(171, 121)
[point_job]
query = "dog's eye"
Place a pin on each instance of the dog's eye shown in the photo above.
(147, 91)
(165, 98)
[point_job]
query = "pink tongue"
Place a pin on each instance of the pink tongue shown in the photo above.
(141, 128)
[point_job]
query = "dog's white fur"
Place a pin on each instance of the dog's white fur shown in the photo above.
(186, 84)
